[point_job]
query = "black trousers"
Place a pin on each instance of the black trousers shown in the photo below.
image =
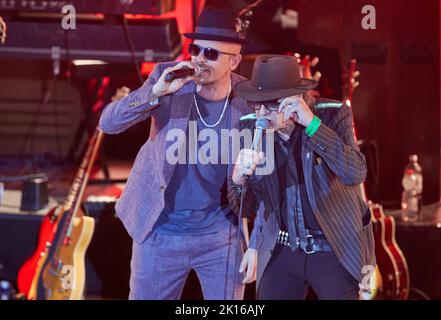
(289, 274)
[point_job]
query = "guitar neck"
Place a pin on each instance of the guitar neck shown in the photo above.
(76, 192)
(348, 90)
(351, 83)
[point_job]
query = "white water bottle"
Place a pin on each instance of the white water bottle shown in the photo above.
(412, 190)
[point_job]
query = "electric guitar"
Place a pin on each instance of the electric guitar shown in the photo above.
(390, 279)
(30, 274)
(60, 272)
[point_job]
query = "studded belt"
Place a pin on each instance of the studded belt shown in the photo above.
(315, 238)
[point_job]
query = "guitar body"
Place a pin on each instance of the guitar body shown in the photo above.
(62, 273)
(395, 280)
(45, 237)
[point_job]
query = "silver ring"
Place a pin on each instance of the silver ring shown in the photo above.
(249, 166)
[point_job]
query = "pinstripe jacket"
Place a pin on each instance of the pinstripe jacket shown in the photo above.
(333, 168)
(143, 198)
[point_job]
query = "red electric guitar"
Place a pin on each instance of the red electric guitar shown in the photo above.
(46, 235)
(391, 277)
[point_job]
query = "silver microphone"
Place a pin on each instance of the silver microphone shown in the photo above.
(261, 125)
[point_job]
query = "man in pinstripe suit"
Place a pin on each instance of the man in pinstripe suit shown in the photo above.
(315, 229)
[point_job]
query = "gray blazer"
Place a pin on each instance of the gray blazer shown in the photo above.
(143, 198)
(333, 168)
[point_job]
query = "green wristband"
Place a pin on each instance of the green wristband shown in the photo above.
(313, 126)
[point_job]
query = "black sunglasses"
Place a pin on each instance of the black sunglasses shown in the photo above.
(209, 53)
(272, 105)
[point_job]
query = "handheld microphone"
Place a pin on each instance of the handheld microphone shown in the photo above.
(261, 125)
(179, 73)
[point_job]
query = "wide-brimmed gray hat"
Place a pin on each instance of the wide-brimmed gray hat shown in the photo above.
(274, 77)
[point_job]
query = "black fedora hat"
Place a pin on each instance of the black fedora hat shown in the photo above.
(274, 77)
(217, 25)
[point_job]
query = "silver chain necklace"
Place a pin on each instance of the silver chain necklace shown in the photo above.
(222, 114)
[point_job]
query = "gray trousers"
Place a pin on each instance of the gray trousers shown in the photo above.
(160, 266)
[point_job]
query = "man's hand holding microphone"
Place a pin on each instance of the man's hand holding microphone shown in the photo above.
(249, 159)
(173, 79)
(246, 164)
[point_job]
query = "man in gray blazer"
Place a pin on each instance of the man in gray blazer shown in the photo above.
(175, 204)
(315, 229)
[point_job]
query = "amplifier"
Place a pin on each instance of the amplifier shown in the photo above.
(112, 7)
(153, 40)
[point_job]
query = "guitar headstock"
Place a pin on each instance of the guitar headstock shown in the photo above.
(350, 83)
(244, 16)
(2, 31)
(306, 65)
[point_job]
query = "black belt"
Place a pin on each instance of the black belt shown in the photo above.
(316, 241)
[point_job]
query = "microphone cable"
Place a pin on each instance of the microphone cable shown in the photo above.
(238, 235)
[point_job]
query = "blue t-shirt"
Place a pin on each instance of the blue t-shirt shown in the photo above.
(196, 197)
